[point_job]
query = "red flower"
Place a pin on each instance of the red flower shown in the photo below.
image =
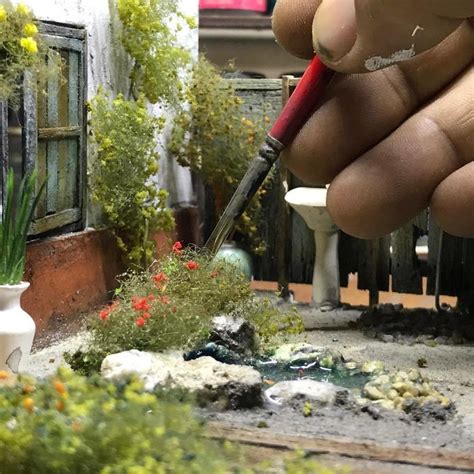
(140, 304)
(165, 299)
(140, 322)
(105, 313)
(214, 274)
(177, 248)
(160, 278)
(192, 265)
(151, 297)
(174, 309)
(146, 315)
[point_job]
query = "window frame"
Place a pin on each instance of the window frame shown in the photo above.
(71, 38)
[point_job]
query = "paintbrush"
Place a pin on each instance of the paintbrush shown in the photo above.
(297, 111)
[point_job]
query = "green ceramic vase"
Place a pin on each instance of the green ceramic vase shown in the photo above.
(232, 253)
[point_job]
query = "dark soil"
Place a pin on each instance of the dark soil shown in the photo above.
(393, 323)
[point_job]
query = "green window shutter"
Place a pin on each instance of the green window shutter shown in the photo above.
(59, 153)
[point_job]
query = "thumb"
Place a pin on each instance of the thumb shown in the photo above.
(366, 35)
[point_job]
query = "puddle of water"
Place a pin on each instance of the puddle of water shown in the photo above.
(273, 371)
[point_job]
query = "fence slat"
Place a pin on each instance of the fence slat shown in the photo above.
(406, 274)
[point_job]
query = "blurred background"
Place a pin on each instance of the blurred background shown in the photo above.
(239, 31)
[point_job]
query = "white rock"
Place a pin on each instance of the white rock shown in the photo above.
(233, 386)
(304, 352)
(323, 393)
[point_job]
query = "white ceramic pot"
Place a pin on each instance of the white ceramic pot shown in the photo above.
(17, 329)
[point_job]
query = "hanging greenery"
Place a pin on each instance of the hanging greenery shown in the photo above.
(151, 41)
(21, 49)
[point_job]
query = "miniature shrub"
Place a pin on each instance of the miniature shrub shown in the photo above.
(72, 424)
(215, 139)
(172, 306)
(122, 175)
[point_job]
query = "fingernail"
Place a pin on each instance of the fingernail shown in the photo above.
(335, 29)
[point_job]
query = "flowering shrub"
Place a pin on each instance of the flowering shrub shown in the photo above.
(121, 176)
(71, 424)
(20, 49)
(172, 306)
(215, 139)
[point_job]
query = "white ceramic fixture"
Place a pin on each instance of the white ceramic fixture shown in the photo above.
(17, 329)
(310, 204)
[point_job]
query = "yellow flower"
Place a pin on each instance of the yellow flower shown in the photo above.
(22, 9)
(3, 13)
(29, 44)
(30, 29)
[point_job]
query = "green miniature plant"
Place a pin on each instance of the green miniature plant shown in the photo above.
(122, 175)
(21, 49)
(214, 138)
(71, 424)
(152, 44)
(15, 223)
(172, 306)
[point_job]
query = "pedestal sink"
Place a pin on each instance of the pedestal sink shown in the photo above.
(310, 204)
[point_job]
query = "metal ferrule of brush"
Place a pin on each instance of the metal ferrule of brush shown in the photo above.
(251, 182)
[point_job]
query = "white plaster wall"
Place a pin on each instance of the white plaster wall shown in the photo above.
(107, 68)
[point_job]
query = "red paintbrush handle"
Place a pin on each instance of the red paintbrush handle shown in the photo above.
(302, 102)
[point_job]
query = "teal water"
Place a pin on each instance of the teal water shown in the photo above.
(276, 372)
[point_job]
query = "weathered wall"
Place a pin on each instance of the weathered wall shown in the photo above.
(72, 273)
(108, 66)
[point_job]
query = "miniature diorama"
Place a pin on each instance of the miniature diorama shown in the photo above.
(221, 253)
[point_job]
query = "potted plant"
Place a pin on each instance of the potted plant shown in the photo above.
(17, 328)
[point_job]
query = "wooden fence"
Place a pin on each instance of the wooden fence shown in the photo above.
(391, 262)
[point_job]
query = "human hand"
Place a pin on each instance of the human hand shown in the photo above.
(395, 134)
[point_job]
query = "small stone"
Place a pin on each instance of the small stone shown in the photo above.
(422, 362)
(373, 367)
(351, 365)
(304, 353)
(400, 387)
(373, 393)
(414, 375)
(386, 404)
(322, 393)
(235, 333)
(392, 394)
(387, 338)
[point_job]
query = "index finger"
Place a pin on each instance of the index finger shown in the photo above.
(293, 24)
